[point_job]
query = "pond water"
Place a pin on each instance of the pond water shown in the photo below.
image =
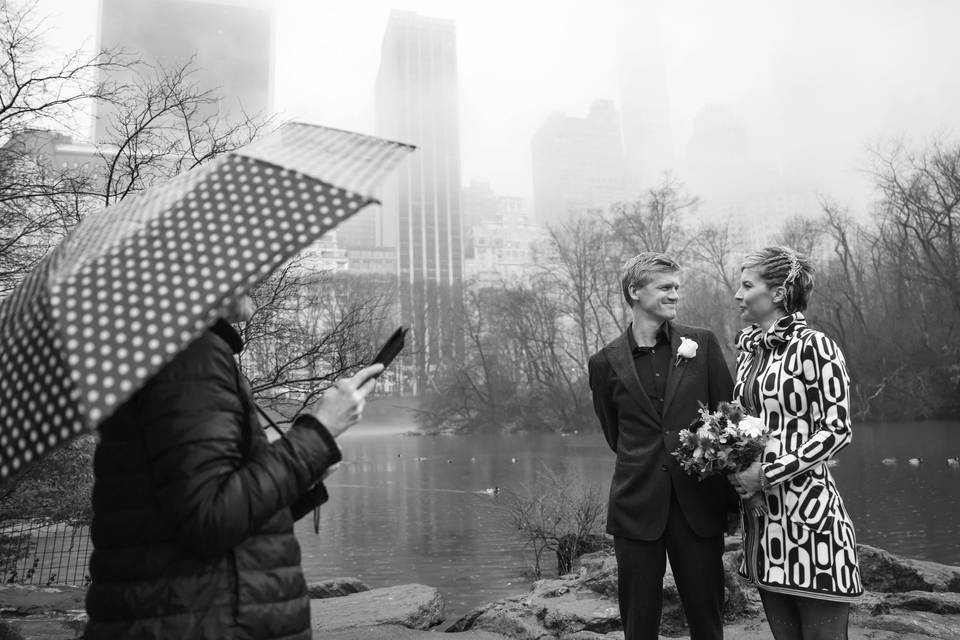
(412, 509)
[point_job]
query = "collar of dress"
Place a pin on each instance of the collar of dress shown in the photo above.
(753, 337)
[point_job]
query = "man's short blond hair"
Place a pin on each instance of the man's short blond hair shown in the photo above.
(638, 270)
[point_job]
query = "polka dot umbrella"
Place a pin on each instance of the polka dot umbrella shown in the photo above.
(138, 281)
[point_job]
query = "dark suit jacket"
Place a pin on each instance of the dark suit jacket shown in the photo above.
(640, 490)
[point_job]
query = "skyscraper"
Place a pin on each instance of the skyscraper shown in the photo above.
(577, 163)
(644, 96)
(229, 41)
(416, 102)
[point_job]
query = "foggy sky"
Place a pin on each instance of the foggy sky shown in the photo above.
(808, 83)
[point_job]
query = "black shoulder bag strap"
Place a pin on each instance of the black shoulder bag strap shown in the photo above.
(315, 495)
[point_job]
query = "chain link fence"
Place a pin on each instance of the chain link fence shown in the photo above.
(44, 553)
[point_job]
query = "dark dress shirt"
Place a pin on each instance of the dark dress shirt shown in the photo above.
(653, 365)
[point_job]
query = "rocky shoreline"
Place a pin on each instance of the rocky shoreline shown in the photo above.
(906, 600)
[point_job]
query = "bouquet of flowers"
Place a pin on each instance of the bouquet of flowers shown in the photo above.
(723, 441)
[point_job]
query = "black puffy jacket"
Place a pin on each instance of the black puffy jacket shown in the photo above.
(192, 527)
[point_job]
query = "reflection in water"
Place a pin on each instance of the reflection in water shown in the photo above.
(909, 509)
(422, 509)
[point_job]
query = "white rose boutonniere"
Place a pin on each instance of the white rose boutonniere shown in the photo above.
(686, 350)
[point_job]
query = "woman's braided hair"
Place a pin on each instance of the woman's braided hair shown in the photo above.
(784, 267)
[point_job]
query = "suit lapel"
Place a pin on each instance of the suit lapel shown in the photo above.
(676, 371)
(621, 358)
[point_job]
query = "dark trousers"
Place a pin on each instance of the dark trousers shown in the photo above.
(798, 618)
(697, 565)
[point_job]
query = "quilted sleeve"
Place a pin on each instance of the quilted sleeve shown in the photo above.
(214, 491)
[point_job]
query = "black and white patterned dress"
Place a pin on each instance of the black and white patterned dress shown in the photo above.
(805, 544)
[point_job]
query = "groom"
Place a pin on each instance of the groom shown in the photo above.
(647, 385)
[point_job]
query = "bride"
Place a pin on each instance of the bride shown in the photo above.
(800, 550)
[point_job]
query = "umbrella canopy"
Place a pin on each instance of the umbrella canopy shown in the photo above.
(136, 282)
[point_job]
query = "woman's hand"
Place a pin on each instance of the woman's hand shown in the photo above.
(747, 482)
(342, 404)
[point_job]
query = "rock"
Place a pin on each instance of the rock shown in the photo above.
(516, 618)
(757, 629)
(575, 606)
(741, 599)
(45, 613)
(43, 627)
(394, 632)
(583, 605)
(869, 604)
(917, 624)
(883, 571)
(598, 573)
(673, 621)
(590, 635)
(414, 606)
(22, 600)
(913, 614)
(569, 608)
(930, 602)
(922, 603)
(334, 588)
(570, 547)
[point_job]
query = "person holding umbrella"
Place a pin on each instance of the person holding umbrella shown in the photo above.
(124, 329)
(194, 509)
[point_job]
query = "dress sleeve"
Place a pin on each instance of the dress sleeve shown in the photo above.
(827, 393)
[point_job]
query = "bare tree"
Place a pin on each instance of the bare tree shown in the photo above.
(585, 274)
(714, 249)
(657, 221)
(37, 208)
(56, 488)
(38, 93)
(800, 233)
(310, 329)
(38, 203)
(893, 282)
(547, 351)
(521, 367)
(557, 514)
(163, 124)
(848, 297)
(920, 214)
(480, 392)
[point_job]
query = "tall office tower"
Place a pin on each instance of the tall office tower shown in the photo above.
(416, 102)
(719, 163)
(644, 96)
(230, 43)
(577, 164)
(478, 202)
(364, 230)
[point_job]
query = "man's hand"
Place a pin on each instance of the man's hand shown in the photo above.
(341, 406)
